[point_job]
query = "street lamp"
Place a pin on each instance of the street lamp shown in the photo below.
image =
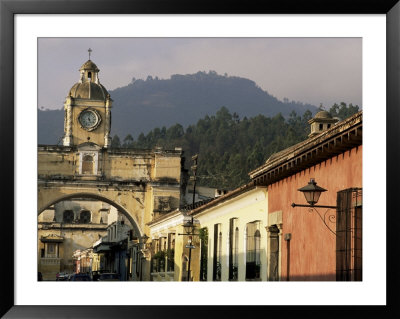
(312, 192)
(189, 223)
(189, 227)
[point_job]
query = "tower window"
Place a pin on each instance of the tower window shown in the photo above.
(84, 217)
(321, 126)
(89, 75)
(68, 216)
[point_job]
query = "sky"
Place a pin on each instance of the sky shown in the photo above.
(310, 70)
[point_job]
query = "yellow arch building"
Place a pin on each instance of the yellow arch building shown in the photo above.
(141, 184)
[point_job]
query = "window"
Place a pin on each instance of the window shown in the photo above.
(68, 216)
(87, 164)
(329, 126)
(171, 252)
(84, 217)
(51, 250)
(217, 252)
(321, 127)
(203, 253)
(171, 241)
(233, 249)
(253, 241)
(349, 235)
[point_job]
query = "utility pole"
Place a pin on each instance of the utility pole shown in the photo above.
(194, 169)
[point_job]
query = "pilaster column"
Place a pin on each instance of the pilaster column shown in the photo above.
(107, 138)
(67, 141)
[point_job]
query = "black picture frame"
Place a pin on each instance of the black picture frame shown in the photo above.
(8, 10)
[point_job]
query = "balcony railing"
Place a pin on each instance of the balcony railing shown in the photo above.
(50, 261)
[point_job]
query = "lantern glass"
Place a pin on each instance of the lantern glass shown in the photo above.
(188, 226)
(312, 192)
(312, 197)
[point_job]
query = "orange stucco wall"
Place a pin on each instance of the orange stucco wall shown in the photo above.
(312, 245)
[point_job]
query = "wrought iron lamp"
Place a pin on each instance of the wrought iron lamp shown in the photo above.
(312, 192)
(189, 226)
(189, 223)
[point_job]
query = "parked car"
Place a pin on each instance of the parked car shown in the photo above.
(61, 276)
(108, 277)
(80, 277)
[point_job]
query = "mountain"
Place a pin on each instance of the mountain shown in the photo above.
(146, 104)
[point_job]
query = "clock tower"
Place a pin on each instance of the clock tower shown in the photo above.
(87, 110)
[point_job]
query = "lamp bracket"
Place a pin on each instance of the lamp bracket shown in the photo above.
(331, 217)
(312, 206)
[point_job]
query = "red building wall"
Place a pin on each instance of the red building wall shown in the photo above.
(312, 245)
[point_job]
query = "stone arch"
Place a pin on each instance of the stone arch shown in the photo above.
(120, 208)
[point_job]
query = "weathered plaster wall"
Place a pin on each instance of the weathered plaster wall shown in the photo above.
(312, 247)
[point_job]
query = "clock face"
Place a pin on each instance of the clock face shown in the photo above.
(89, 119)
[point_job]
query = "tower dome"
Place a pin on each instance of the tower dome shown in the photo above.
(321, 122)
(89, 86)
(323, 115)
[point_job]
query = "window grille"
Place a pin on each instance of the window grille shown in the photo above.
(233, 249)
(68, 216)
(217, 252)
(349, 235)
(253, 261)
(204, 253)
(171, 252)
(51, 250)
(84, 217)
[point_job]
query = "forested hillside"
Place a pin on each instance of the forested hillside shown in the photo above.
(229, 147)
(146, 104)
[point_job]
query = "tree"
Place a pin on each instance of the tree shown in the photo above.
(128, 141)
(342, 111)
(115, 142)
(228, 147)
